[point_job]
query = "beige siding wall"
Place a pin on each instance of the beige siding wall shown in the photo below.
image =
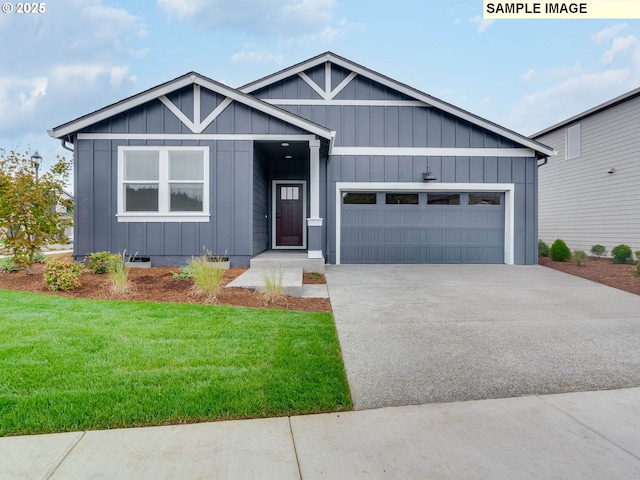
(578, 200)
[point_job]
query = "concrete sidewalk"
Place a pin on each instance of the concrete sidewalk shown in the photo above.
(589, 435)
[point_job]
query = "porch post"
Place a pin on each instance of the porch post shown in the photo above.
(314, 222)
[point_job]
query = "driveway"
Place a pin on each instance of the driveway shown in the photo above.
(414, 334)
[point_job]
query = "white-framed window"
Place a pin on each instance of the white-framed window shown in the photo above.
(163, 184)
(573, 149)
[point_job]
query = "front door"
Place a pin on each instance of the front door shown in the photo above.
(289, 215)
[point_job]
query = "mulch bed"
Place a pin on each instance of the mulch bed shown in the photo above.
(600, 270)
(157, 284)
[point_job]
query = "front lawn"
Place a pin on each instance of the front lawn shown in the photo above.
(72, 364)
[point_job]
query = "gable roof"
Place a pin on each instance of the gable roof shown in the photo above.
(191, 78)
(592, 111)
(542, 150)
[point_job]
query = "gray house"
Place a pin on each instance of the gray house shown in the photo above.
(589, 192)
(326, 156)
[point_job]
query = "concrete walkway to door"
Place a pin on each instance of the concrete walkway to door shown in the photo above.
(414, 334)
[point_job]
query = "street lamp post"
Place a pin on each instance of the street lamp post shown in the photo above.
(36, 160)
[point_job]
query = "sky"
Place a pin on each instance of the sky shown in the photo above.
(81, 55)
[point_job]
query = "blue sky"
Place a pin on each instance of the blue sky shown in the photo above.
(80, 55)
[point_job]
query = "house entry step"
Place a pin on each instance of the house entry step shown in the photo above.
(254, 278)
(287, 259)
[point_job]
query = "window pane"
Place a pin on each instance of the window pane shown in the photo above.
(186, 165)
(141, 165)
(485, 198)
(443, 199)
(573, 141)
(359, 199)
(402, 198)
(141, 198)
(186, 197)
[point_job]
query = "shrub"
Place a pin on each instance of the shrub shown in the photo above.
(622, 254)
(272, 284)
(543, 249)
(579, 256)
(599, 250)
(206, 278)
(119, 283)
(638, 255)
(183, 273)
(8, 265)
(559, 252)
(61, 274)
(102, 262)
(636, 270)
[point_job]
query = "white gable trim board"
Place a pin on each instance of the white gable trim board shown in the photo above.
(507, 188)
(427, 100)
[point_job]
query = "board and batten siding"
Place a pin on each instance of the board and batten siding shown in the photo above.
(231, 230)
(579, 201)
(408, 126)
(170, 243)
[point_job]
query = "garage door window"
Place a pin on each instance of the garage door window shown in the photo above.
(443, 199)
(359, 198)
(402, 199)
(485, 199)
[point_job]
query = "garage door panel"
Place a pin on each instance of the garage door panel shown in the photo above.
(422, 233)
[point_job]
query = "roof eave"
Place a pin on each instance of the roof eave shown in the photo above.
(191, 78)
(541, 150)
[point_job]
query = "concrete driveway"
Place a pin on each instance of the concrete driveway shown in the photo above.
(413, 334)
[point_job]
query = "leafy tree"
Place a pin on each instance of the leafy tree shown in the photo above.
(28, 215)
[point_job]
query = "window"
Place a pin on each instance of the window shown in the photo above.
(163, 184)
(573, 141)
(402, 198)
(443, 199)
(485, 199)
(359, 198)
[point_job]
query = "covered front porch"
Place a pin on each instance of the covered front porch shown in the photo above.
(287, 196)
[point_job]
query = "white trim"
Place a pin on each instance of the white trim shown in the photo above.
(274, 183)
(316, 88)
(327, 79)
(195, 79)
(355, 103)
(146, 218)
(507, 188)
(196, 105)
(314, 178)
(343, 83)
(314, 222)
(164, 214)
(177, 112)
(213, 115)
(435, 151)
(395, 85)
(314, 254)
(193, 136)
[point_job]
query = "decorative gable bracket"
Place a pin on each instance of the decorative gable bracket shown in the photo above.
(197, 125)
(327, 93)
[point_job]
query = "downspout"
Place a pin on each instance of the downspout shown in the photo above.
(64, 145)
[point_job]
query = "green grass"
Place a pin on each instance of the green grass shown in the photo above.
(72, 364)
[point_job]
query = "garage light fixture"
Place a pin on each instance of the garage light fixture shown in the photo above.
(428, 176)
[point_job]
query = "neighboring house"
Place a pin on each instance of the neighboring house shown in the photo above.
(589, 192)
(326, 156)
(68, 214)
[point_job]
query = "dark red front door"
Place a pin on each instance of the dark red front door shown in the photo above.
(289, 215)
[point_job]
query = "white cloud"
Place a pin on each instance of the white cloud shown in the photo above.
(270, 17)
(256, 55)
(620, 47)
(483, 23)
(608, 33)
(529, 75)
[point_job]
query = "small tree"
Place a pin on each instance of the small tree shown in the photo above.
(28, 215)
